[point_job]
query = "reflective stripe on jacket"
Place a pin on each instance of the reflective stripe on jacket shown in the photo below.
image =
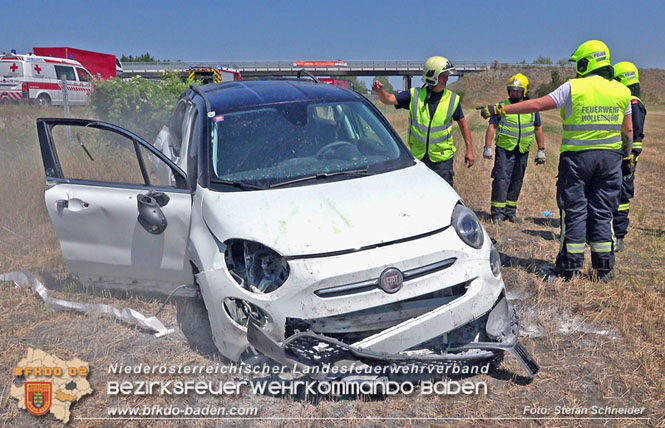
(432, 134)
(598, 112)
(514, 129)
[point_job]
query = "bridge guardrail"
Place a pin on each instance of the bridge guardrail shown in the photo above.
(400, 67)
(184, 65)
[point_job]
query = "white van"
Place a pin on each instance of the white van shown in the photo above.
(39, 79)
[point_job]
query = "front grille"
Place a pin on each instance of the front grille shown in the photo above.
(357, 325)
(373, 284)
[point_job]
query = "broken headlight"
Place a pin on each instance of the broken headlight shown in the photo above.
(467, 226)
(254, 266)
(241, 311)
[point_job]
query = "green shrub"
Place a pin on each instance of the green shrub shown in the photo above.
(546, 88)
(139, 105)
(543, 60)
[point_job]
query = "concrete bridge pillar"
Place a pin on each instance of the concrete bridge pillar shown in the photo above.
(406, 83)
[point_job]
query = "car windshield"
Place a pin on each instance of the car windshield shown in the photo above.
(300, 143)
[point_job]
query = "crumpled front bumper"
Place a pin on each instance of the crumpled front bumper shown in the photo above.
(448, 294)
(304, 350)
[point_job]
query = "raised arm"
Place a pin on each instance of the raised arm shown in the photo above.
(385, 97)
(531, 106)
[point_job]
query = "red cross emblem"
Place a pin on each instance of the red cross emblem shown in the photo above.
(37, 69)
(14, 68)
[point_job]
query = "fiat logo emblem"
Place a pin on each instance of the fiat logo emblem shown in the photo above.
(391, 280)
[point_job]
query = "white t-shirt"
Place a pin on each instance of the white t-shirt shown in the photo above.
(563, 98)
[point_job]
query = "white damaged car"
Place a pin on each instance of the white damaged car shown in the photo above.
(294, 209)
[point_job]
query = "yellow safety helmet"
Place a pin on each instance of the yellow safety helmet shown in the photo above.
(590, 56)
(626, 73)
(433, 67)
(518, 81)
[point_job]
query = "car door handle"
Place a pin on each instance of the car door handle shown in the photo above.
(73, 204)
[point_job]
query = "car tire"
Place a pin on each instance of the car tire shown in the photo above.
(193, 321)
(43, 100)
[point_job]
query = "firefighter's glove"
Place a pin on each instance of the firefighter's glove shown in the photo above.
(628, 167)
(487, 153)
(492, 110)
(540, 157)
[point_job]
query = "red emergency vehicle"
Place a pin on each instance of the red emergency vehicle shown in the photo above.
(101, 65)
(337, 82)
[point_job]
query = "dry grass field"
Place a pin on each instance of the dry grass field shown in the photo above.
(597, 344)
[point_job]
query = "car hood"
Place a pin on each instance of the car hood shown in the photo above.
(334, 216)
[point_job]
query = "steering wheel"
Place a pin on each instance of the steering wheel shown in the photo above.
(332, 147)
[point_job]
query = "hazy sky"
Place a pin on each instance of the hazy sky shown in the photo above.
(507, 31)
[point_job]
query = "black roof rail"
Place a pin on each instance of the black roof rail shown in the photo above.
(308, 74)
(198, 90)
(273, 77)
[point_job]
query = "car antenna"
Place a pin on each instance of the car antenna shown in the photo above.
(302, 70)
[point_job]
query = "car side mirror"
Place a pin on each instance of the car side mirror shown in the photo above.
(150, 215)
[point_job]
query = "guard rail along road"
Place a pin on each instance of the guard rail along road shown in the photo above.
(339, 68)
(290, 68)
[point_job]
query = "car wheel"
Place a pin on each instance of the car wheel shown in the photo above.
(193, 320)
(44, 100)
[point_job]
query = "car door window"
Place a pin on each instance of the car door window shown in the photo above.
(175, 128)
(99, 155)
(68, 72)
(83, 75)
(192, 149)
(187, 125)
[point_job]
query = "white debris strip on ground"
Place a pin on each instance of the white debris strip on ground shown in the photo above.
(23, 279)
(566, 322)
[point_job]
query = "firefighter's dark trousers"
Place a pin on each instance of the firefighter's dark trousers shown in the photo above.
(444, 169)
(588, 190)
(621, 214)
(507, 175)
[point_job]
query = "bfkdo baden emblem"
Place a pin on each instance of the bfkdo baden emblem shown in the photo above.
(38, 397)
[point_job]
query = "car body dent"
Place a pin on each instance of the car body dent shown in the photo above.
(296, 297)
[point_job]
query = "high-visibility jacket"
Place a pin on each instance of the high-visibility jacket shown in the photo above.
(598, 112)
(432, 135)
(514, 129)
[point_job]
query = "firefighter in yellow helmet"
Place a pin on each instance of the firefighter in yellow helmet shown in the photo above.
(514, 134)
(597, 133)
(432, 109)
(629, 75)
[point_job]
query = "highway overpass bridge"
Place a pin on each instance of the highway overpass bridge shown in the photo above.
(341, 69)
